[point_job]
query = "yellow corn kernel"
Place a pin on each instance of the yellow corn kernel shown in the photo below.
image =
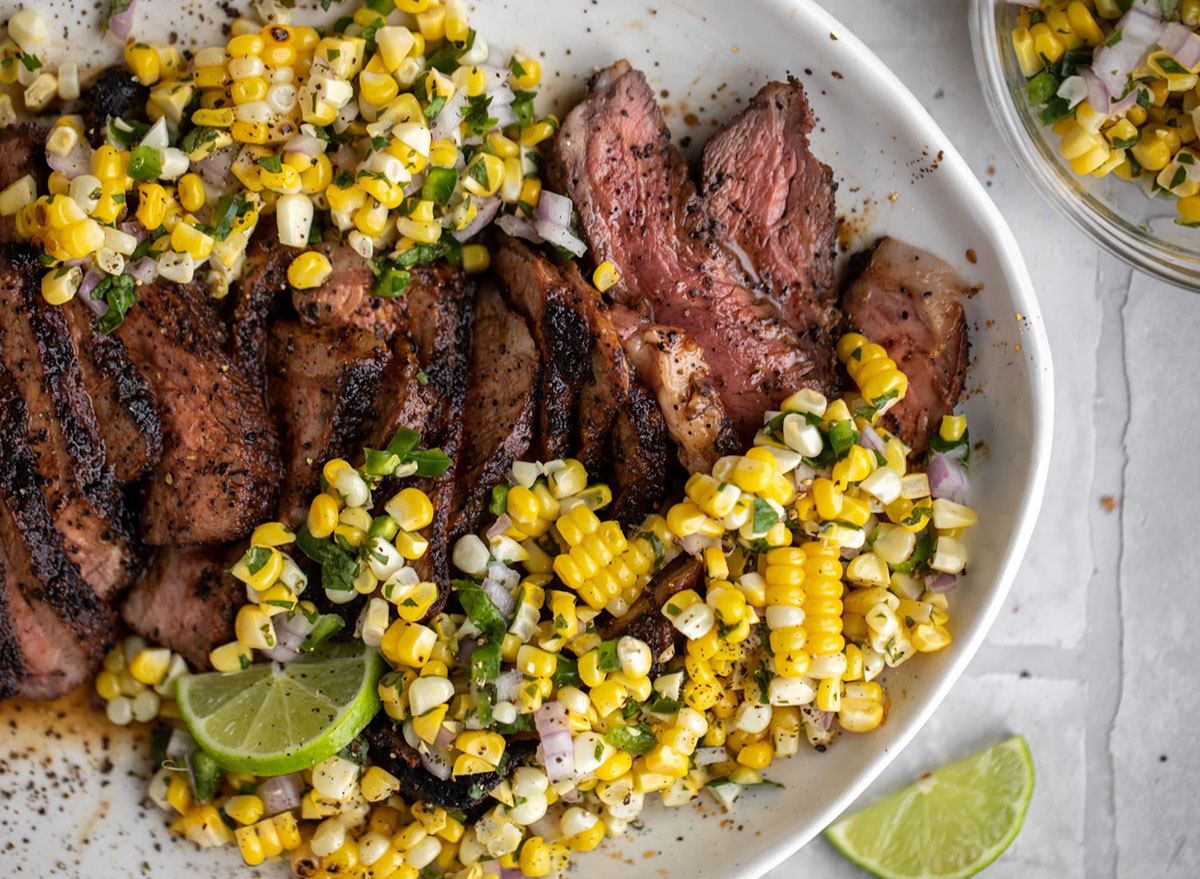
(756, 756)
(1027, 55)
(526, 72)
(605, 276)
(190, 191)
(233, 656)
(250, 89)
(244, 808)
(310, 269)
(144, 62)
(322, 515)
(188, 239)
(149, 665)
(152, 205)
(475, 258)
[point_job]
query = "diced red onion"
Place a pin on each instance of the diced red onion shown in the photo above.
(508, 685)
(870, 440)
(555, 732)
(502, 524)
(281, 654)
(181, 744)
(91, 278)
(1124, 104)
(144, 270)
(414, 185)
(504, 575)
(695, 544)
(1074, 89)
(803, 473)
(947, 478)
(519, 227)
(137, 230)
(559, 236)
(492, 866)
(76, 162)
(1181, 43)
(1097, 92)
(346, 158)
(500, 596)
(120, 25)
(444, 739)
(214, 167)
(437, 764)
(708, 756)
(553, 208)
(445, 126)
(281, 793)
(466, 649)
(820, 719)
(1113, 63)
(485, 209)
(571, 796)
(307, 144)
(941, 583)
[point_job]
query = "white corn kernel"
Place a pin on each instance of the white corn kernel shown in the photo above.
(293, 217)
(335, 778)
(175, 163)
(883, 485)
(40, 91)
(177, 267)
(694, 621)
(375, 622)
(790, 691)
(17, 195)
(949, 555)
(427, 693)
(28, 30)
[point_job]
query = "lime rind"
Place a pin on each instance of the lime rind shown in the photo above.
(950, 824)
(272, 720)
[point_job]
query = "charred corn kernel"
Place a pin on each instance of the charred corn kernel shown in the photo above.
(233, 656)
(322, 516)
(309, 269)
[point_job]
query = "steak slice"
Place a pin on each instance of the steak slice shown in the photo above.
(772, 204)
(220, 468)
(126, 413)
(501, 406)
(637, 467)
(22, 151)
(62, 432)
(61, 626)
(557, 316)
(639, 209)
(645, 620)
(910, 302)
(670, 362)
(188, 601)
(606, 384)
(323, 381)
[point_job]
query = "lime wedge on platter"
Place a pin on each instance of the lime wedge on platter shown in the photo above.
(949, 824)
(272, 719)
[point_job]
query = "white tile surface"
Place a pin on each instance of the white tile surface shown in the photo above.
(1099, 616)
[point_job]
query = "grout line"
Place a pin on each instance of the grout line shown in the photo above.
(1102, 655)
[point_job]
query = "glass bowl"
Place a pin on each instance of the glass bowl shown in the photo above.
(1114, 212)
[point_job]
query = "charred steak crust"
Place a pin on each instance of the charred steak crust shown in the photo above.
(772, 205)
(640, 209)
(645, 620)
(220, 470)
(638, 459)
(40, 577)
(324, 381)
(114, 92)
(188, 601)
(126, 413)
(910, 302)
(89, 511)
(263, 279)
(501, 406)
(12, 664)
(555, 310)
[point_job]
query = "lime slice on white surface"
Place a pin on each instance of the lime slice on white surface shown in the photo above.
(272, 719)
(950, 824)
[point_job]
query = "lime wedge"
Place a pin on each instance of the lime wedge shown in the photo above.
(272, 719)
(950, 824)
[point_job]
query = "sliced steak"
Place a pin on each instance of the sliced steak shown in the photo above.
(323, 382)
(606, 385)
(673, 366)
(645, 620)
(61, 626)
(126, 413)
(255, 296)
(772, 203)
(393, 753)
(220, 469)
(637, 463)
(639, 209)
(83, 497)
(501, 407)
(558, 319)
(22, 151)
(188, 601)
(910, 302)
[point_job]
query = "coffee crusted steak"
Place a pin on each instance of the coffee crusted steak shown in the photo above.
(772, 205)
(126, 413)
(61, 626)
(220, 469)
(501, 407)
(323, 382)
(83, 497)
(557, 316)
(637, 464)
(640, 209)
(188, 601)
(910, 302)
(645, 620)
